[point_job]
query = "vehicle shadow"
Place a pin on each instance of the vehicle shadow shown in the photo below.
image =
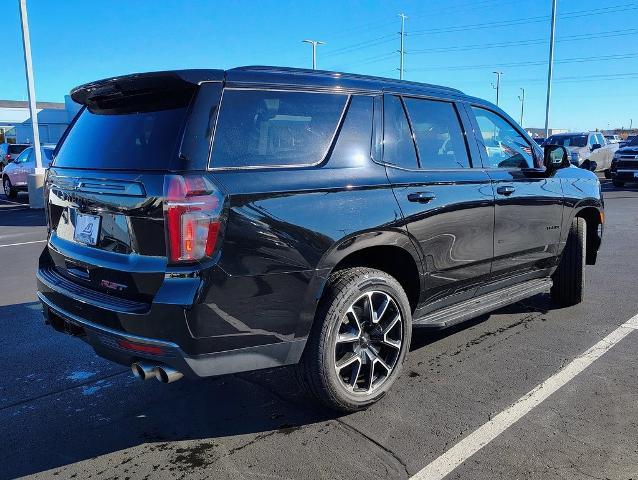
(126, 420)
(16, 213)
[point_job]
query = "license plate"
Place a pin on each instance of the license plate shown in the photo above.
(87, 228)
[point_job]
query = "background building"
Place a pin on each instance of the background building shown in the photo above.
(53, 118)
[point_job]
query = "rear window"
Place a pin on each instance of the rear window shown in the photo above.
(145, 140)
(568, 140)
(16, 149)
(260, 128)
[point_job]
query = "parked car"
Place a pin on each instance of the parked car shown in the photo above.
(627, 141)
(206, 222)
(539, 140)
(588, 150)
(14, 176)
(9, 152)
(612, 138)
(624, 166)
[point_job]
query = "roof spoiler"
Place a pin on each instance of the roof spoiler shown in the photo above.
(143, 83)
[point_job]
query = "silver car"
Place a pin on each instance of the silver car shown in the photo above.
(14, 176)
(588, 150)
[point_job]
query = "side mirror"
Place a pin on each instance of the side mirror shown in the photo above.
(596, 146)
(556, 156)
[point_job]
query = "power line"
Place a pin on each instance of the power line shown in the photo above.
(533, 41)
(598, 58)
(527, 20)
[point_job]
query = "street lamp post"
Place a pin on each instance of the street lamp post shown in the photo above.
(314, 44)
(36, 180)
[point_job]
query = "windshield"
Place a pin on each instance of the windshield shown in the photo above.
(568, 140)
(633, 142)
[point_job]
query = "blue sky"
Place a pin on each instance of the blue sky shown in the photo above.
(457, 43)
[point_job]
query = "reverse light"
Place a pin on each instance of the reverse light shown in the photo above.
(192, 210)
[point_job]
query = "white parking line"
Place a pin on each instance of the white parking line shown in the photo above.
(14, 203)
(476, 440)
(21, 243)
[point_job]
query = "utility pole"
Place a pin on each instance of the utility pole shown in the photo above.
(550, 68)
(35, 181)
(522, 99)
(402, 50)
(314, 44)
(497, 86)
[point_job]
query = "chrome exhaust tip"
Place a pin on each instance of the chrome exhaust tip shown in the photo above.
(143, 370)
(167, 374)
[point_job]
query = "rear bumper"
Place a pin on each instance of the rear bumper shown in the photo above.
(124, 347)
(108, 344)
(625, 175)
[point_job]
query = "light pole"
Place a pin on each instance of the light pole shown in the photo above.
(402, 50)
(550, 68)
(497, 86)
(314, 44)
(521, 97)
(35, 181)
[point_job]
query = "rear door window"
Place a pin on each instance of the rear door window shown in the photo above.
(438, 134)
(263, 128)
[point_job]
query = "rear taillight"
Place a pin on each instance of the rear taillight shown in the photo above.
(7, 156)
(192, 211)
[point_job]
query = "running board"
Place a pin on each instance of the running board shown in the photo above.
(455, 314)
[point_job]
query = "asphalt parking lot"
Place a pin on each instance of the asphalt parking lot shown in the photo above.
(65, 413)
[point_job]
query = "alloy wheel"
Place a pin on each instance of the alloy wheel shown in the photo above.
(368, 343)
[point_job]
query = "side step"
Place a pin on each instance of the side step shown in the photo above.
(455, 314)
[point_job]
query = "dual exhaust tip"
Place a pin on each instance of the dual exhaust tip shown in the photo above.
(163, 373)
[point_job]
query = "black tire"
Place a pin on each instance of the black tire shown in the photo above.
(618, 183)
(607, 174)
(569, 278)
(9, 191)
(318, 371)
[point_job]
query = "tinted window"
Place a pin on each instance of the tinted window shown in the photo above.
(145, 140)
(15, 149)
(438, 134)
(267, 128)
(633, 142)
(568, 140)
(353, 144)
(505, 147)
(398, 145)
(24, 156)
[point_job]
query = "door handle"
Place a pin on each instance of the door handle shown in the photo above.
(421, 197)
(505, 190)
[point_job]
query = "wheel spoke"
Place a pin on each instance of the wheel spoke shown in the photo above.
(348, 359)
(347, 337)
(352, 313)
(373, 314)
(388, 341)
(384, 307)
(354, 374)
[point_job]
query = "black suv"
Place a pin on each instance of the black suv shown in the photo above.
(624, 166)
(205, 222)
